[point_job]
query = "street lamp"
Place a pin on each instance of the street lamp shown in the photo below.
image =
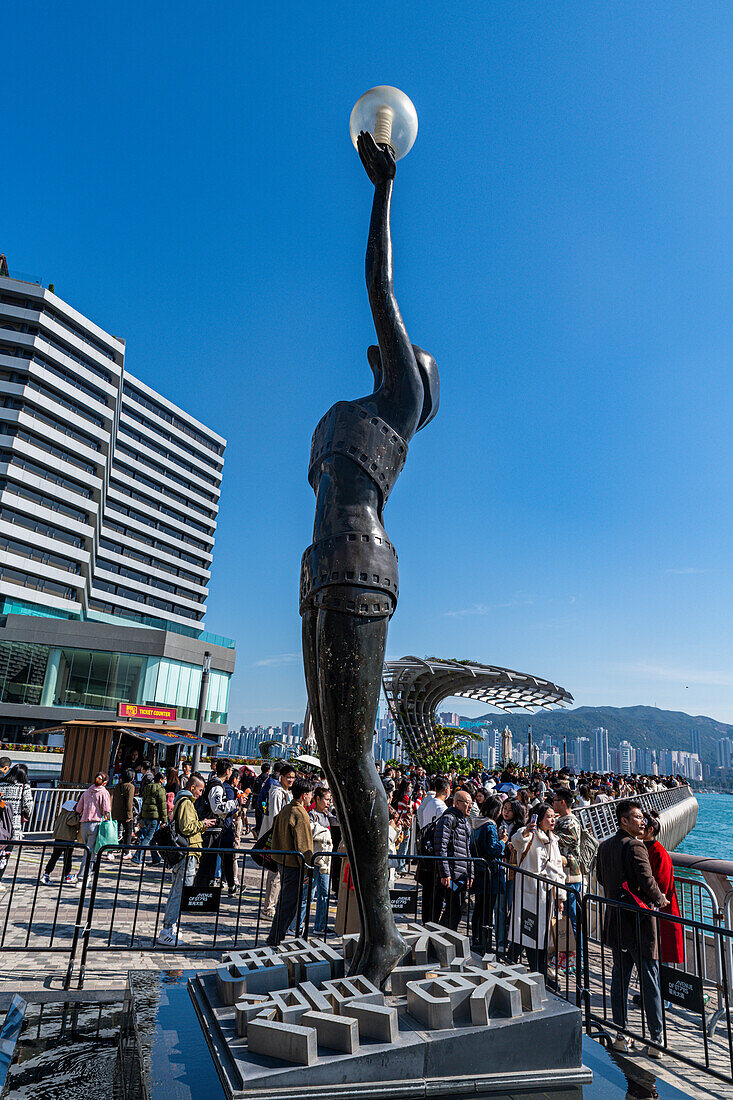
(389, 116)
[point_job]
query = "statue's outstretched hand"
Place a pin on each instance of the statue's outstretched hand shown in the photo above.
(378, 160)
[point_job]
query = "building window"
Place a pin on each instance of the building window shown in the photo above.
(91, 678)
(22, 671)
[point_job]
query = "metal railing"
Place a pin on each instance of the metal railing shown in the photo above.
(47, 801)
(27, 923)
(128, 905)
(623, 938)
(600, 818)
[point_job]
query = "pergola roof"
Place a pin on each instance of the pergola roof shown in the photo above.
(415, 688)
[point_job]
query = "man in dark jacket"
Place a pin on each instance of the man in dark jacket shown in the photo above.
(153, 814)
(623, 859)
(291, 834)
(452, 841)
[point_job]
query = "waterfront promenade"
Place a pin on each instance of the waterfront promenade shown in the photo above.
(126, 918)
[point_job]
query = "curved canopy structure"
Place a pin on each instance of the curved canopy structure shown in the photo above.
(415, 688)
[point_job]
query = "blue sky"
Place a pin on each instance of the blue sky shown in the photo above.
(563, 231)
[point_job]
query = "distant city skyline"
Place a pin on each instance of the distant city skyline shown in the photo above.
(582, 753)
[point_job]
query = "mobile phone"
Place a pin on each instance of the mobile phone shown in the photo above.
(533, 819)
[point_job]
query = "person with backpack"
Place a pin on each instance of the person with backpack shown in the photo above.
(65, 831)
(187, 832)
(16, 810)
(430, 809)
(153, 814)
(219, 801)
(452, 845)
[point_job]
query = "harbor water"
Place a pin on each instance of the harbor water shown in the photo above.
(713, 834)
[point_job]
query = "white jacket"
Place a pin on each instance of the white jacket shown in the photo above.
(276, 799)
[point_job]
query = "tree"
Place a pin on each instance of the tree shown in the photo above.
(442, 755)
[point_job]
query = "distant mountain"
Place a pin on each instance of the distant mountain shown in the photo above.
(644, 727)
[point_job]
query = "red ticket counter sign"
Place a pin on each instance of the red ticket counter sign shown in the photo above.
(145, 713)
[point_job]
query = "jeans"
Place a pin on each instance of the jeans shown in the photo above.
(573, 913)
(400, 866)
(183, 874)
(648, 970)
(88, 833)
(319, 890)
(148, 829)
(287, 905)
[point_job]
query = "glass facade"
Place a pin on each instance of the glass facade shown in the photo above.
(40, 675)
(86, 678)
(178, 685)
(22, 672)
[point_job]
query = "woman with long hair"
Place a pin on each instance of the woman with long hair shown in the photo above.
(487, 849)
(15, 792)
(671, 936)
(94, 806)
(513, 819)
(534, 904)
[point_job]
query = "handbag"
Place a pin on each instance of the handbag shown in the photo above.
(260, 852)
(562, 937)
(512, 859)
(106, 834)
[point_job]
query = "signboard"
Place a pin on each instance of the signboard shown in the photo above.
(147, 713)
(200, 899)
(681, 988)
(529, 925)
(404, 900)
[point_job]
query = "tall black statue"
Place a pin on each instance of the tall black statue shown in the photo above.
(349, 581)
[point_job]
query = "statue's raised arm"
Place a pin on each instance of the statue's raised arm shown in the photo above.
(406, 377)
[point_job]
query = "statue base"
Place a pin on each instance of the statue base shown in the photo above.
(451, 1024)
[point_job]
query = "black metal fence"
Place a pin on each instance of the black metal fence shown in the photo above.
(627, 930)
(36, 913)
(116, 904)
(141, 904)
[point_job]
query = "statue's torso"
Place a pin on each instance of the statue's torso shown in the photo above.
(351, 566)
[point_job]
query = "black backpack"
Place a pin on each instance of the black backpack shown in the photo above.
(167, 836)
(202, 805)
(426, 839)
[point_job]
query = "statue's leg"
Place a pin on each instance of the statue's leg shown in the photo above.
(310, 664)
(349, 656)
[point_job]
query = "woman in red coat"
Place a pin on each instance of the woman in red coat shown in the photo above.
(670, 933)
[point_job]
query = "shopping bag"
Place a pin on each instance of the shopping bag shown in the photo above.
(106, 834)
(561, 936)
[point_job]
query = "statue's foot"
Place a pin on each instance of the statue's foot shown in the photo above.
(379, 960)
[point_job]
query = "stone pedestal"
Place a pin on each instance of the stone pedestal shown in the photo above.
(452, 1023)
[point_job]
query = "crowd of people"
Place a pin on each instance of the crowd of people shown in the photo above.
(470, 839)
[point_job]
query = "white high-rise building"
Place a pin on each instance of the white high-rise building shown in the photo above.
(626, 758)
(600, 750)
(109, 498)
(109, 493)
